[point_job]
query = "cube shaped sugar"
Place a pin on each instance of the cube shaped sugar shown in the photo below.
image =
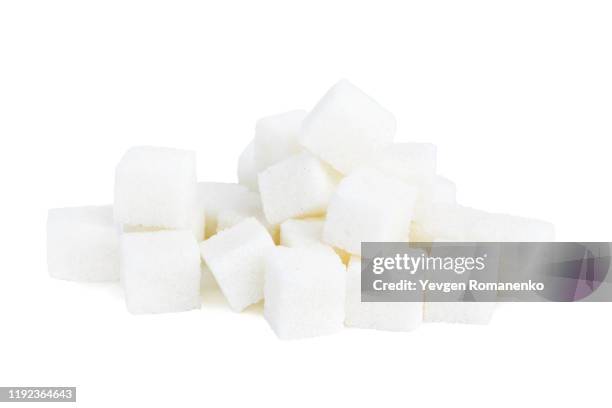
(369, 206)
(305, 290)
(160, 271)
(392, 316)
(156, 187)
(303, 232)
(215, 197)
(235, 257)
(298, 186)
(247, 172)
(347, 127)
(82, 244)
(276, 138)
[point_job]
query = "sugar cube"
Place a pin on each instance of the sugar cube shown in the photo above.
(347, 127)
(276, 138)
(160, 271)
(392, 316)
(298, 186)
(82, 244)
(235, 257)
(156, 187)
(304, 291)
(303, 232)
(369, 206)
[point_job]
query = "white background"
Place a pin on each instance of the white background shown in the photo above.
(516, 94)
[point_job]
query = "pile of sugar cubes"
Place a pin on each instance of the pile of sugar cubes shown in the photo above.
(312, 187)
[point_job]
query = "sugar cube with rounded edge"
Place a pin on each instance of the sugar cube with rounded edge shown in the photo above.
(305, 290)
(235, 258)
(156, 187)
(369, 206)
(301, 232)
(347, 127)
(298, 186)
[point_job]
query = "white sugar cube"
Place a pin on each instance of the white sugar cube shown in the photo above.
(247, 172)
(160, 271)
(276, 138)
(216, 197)
(298, 186)
(82, 244)
(299, 233)
(304, 291)
(392, 316)
(369, 206)
(156, 187)
(235, 257)
(347, 127)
